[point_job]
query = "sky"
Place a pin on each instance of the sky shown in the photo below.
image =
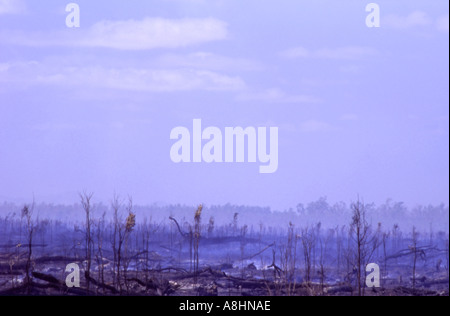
(360, 111)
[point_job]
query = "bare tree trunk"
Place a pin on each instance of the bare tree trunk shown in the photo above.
(119, 257)
(321, 266)
(197, 220)
(385, 237)
(447, 256)
(124, 231)
(338, 250)
(115, 205)
(30, 253)
(360, 231)
(86, 203)
(358, 260)
(307, 242)
(27, 212)
(100, 261)
(415, 236)
(292, 258)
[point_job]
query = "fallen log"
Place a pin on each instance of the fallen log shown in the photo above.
(435, 282)
(47, 277)
(100, 284)
(406, 252)
(338, 289)
(63, 289)
(52, 283)
(200, 273)
(181, 270)
(262, 251)
(413, 292)
(160, 288)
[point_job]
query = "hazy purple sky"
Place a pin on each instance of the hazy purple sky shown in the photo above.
(360, 110)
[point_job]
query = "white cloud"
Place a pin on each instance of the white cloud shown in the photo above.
(277, 96)
(154, 32)
(348, 52)
(129, 79)
(417, 19)
(414, 19)
(12, 6)
(146, 34)
(157, 80)
(442, 23)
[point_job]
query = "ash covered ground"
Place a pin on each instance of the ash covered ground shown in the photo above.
(182, 256)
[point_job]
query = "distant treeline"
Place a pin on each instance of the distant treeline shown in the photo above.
(424, 218)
